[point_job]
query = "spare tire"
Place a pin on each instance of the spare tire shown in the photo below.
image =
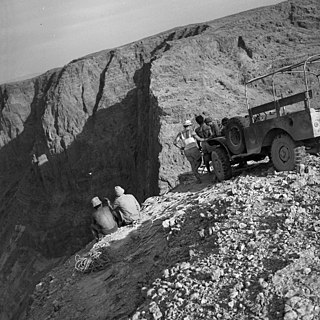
(234, 134)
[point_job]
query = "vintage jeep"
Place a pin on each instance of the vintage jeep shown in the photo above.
(282, 129)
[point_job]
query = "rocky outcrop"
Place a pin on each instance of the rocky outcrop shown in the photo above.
(109, 118)
(247, 248)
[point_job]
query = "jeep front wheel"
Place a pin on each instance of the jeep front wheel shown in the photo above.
(284, 155)
(221, 164)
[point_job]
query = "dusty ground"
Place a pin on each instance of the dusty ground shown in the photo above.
(247, 248)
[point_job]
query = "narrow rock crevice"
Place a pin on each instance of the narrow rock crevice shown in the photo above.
(102, 83)
(85, 109)
(242, 45)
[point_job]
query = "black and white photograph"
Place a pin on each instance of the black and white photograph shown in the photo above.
(160, 160)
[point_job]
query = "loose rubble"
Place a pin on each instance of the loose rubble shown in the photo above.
(247, 248)
(249, 238)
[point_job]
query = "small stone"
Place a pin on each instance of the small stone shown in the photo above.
(150, 292)
(161, 291)
(291, 315)
(233, 294)
(192, 253)
(306, 270)
(302, 310)
(287, 308)
(136, 316)
(39, 286)
(201, 233)
(166, 273)
(194, 296)
(178, 285)
(263, 283)
(155, 310)
(185, 265)
(56, 305)
(293, 301)
(180, 301)
(290, 293)
(166, 224)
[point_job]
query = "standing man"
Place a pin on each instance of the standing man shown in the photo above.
(103, 221)
(188, 138)
(204, 131)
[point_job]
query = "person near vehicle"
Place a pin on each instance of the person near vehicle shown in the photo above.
(203, 131)
(126, 207)
(224, 123)
(188, 138)
(103, 221)
(214, 127)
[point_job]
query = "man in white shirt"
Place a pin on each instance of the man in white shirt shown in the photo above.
(126, 207)
(188, 138)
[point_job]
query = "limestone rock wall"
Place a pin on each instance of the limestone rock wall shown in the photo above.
(110, 118)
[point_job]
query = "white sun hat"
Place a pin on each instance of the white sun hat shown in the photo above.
(96, 201)
(187, 123)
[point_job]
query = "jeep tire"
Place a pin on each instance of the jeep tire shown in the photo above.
(234, 134)
(221, 164)
(284, 155)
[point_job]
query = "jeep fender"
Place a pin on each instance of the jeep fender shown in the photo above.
(267, 141)
(219, 142)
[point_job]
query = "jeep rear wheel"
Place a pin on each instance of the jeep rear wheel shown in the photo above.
(234, 134)
(221, 164)
(284, 155)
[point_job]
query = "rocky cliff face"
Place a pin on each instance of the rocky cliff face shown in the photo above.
(109, 118)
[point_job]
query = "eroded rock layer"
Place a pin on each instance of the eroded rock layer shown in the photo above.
(109, 118)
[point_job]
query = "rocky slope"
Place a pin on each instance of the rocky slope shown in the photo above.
(247, 248)
(109, 118)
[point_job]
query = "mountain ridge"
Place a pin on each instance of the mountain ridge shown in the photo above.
(110, 118)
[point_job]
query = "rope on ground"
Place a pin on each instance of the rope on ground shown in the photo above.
(97, 258)
(88, 263)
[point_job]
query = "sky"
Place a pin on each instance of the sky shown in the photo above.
(39, 35)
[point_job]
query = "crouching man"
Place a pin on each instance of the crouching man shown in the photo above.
(103, 221)
(126, 207)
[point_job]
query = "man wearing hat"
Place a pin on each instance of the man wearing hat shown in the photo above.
(103, 221)
(188, 138)
(126, 207)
